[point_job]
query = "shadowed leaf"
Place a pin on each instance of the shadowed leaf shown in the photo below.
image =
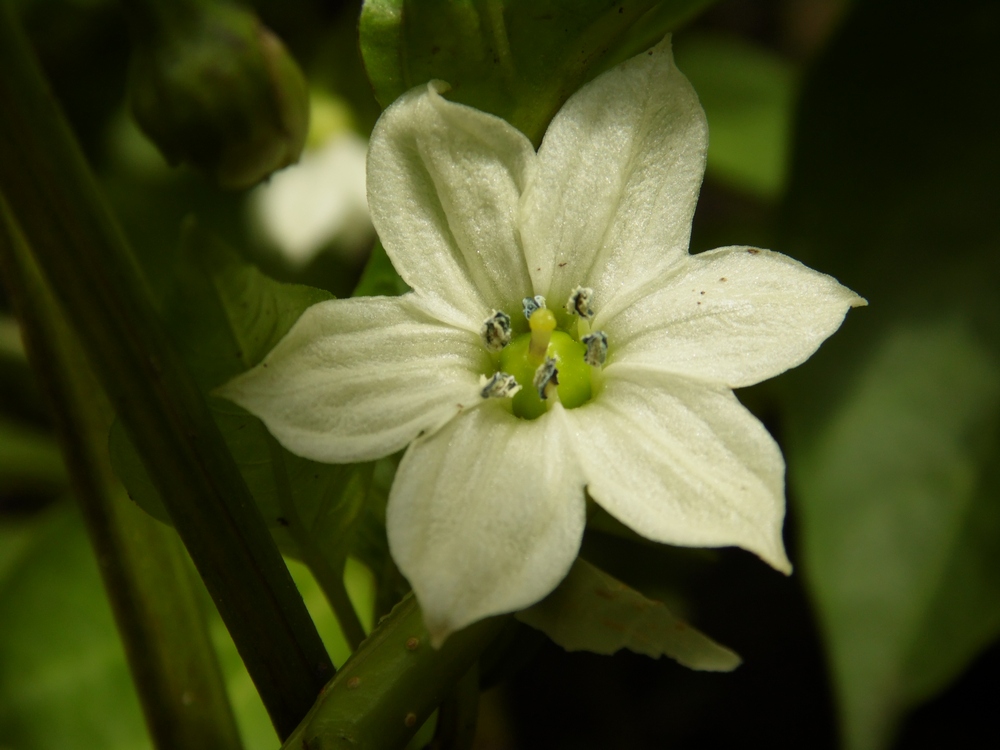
(591, 611)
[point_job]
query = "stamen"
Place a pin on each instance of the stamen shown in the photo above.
(542, 323)
(501, 385)
(579, 302)
(531, 304)
(546, 378)
(496, 331)
(597, 348)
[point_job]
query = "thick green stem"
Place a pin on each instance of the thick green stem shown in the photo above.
(329, 577)
(456, 726)
(389, 687)
(143, 566)
(82, 253)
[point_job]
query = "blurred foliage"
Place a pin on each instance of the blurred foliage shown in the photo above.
(63, 677)
(519, 59)
(64, 681)
(874, 158)
(225, 316)
(591, 611)
(893, 429)
(748, 93)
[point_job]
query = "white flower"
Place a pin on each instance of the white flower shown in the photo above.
(303, 208)
(488, 505)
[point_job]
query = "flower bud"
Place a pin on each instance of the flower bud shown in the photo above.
(213, 87)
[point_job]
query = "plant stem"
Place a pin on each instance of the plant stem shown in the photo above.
(389, 687)
(456, 727)
(329, 577)
(81, 251)
(142, 564)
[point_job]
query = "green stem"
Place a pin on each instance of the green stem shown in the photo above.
(142, 564)
(456, 727)
(81, 251)
(329, 577)
(389, 687)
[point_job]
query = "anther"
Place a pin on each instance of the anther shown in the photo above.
(546, 378)
(579, 302)
(531, 304)
(597, 348)
(501, 385)
(542, 323)
(496, 331)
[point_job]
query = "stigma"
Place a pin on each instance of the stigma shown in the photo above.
(554, 362)
(542, 323)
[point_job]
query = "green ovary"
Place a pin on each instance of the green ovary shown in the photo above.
(574, 373)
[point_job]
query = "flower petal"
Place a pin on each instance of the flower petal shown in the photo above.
(444, 181)
(682, 463)
(321, 199)
(358, 379)
(733, 316)
(486, 515)
(611, 201)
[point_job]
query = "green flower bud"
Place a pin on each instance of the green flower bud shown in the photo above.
(213, 87)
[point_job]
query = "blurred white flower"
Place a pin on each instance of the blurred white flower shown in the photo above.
(322, 200)
(560, 341)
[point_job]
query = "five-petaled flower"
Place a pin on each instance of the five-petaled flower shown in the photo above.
(617, 387)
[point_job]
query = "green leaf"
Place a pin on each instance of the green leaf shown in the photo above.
(226, 315)
(518, 59)
(64, 681)
(892, 429)
(379, 277)
(591, 611)
(889, 488)
(319, 491)
(748, 94)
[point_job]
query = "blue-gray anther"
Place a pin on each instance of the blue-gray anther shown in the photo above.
(579, 302)
(496, 331)
(597, 348)
(545, 375)
(501, 385)
(531, 304)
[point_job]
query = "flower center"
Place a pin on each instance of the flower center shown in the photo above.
(547, 364)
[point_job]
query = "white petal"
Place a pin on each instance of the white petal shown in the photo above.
(733, 316)
(618, 174)
(682, 463)
(303, 208)
(444, 181)
(358, 379)
(486, 515)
